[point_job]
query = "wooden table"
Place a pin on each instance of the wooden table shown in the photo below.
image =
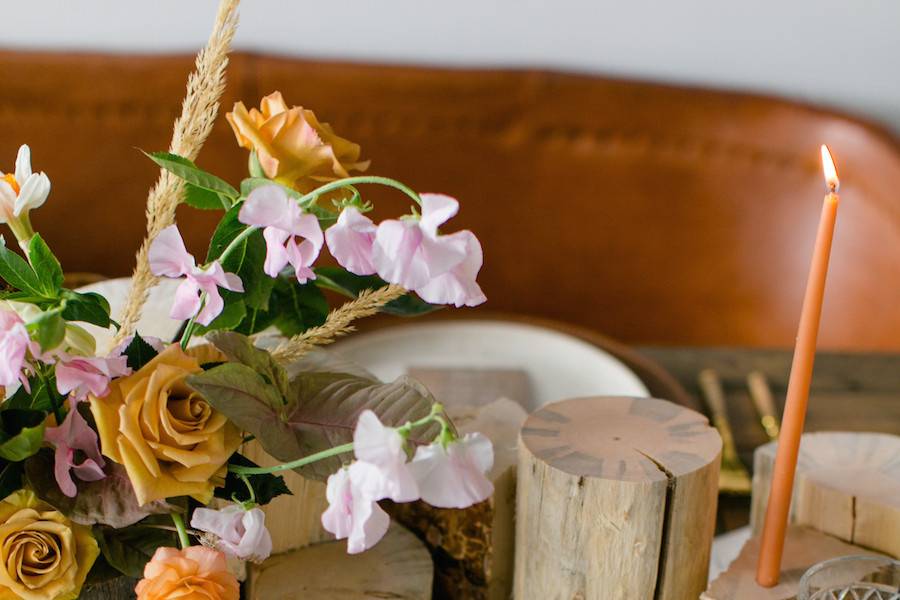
(850, 392)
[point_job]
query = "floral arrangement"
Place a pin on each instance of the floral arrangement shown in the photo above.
(127, 459)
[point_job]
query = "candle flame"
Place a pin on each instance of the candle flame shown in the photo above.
(831, 178)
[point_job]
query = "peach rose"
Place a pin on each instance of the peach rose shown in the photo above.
(44, 555)
(169, 439)
(293, 147)
(195, 572)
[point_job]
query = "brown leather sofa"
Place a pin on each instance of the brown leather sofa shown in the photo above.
(654, 214)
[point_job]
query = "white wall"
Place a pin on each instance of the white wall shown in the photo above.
(842, 53)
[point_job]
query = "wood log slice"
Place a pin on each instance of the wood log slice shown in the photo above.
(399, 566)
(616, 499)
(847, 485)
(803, 548)
(294, 521)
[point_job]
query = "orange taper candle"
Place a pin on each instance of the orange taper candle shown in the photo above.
(769, 567)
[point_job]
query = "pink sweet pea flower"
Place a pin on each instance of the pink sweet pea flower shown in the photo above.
(410, 252)
(75, 434)
(458, 286)
(169, 258)
(353, 515)
(82, 375)
(14, 343)
(381, 470)
(284, 221)
(350, 241)
(454, 476)
(238, 532)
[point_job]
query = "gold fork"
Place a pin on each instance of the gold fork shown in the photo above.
(733, 476)
(761, 394)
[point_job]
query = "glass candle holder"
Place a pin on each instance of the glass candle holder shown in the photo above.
(852, 578)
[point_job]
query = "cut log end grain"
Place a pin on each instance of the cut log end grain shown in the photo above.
(397, 567)
(847, 485)
(616, 498)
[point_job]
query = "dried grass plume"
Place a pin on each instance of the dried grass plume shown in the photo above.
(338, 323)
(198, 114)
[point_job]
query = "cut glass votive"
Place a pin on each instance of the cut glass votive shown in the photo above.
(852, 578)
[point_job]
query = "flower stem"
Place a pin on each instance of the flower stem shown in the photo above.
(295, 464)
(350, 181)
(435, 415)
(183, 538)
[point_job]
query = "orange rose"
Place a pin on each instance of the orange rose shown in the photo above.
(169, 439)
(195, 572)
(293, 147)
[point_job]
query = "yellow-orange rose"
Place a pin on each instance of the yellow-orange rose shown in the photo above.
(293, 147)
(169, 439)
(44, 555)
(195, 572)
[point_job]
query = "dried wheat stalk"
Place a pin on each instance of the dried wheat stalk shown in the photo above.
(338, 323)
(198, 114)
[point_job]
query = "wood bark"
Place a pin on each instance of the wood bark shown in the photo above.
(847, 485)
(473, 548)
(616, 499)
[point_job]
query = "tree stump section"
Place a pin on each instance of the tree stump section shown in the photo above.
(616, 499)
(294, 521)
(397, 567)
(803, 548)
(473, 548)
(847, 485)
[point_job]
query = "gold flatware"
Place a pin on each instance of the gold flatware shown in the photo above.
(761, 394)
(733, 476)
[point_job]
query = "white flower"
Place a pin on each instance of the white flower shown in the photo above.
(22, 191)
(353, 515)
(453, 476)
(237, 532)
(381, 470)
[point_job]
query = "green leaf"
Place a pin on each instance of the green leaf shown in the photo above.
(246, 261)
(245, 392)
(254, 166)
(16, 271)
(230, 317)
(110, 501)
(266, 486)
(43, 396)
(10, 478)
(23, 433)
(187, 170)
(128, 550)
(240, 349)
(320, 413)
(89, 307)
(48, 330)
(197, 197)
(139, 353)
(293, 308)
(350, 285)
(46, 266)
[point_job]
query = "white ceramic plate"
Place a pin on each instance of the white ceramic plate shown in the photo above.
(155, 319)
(559, 365)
